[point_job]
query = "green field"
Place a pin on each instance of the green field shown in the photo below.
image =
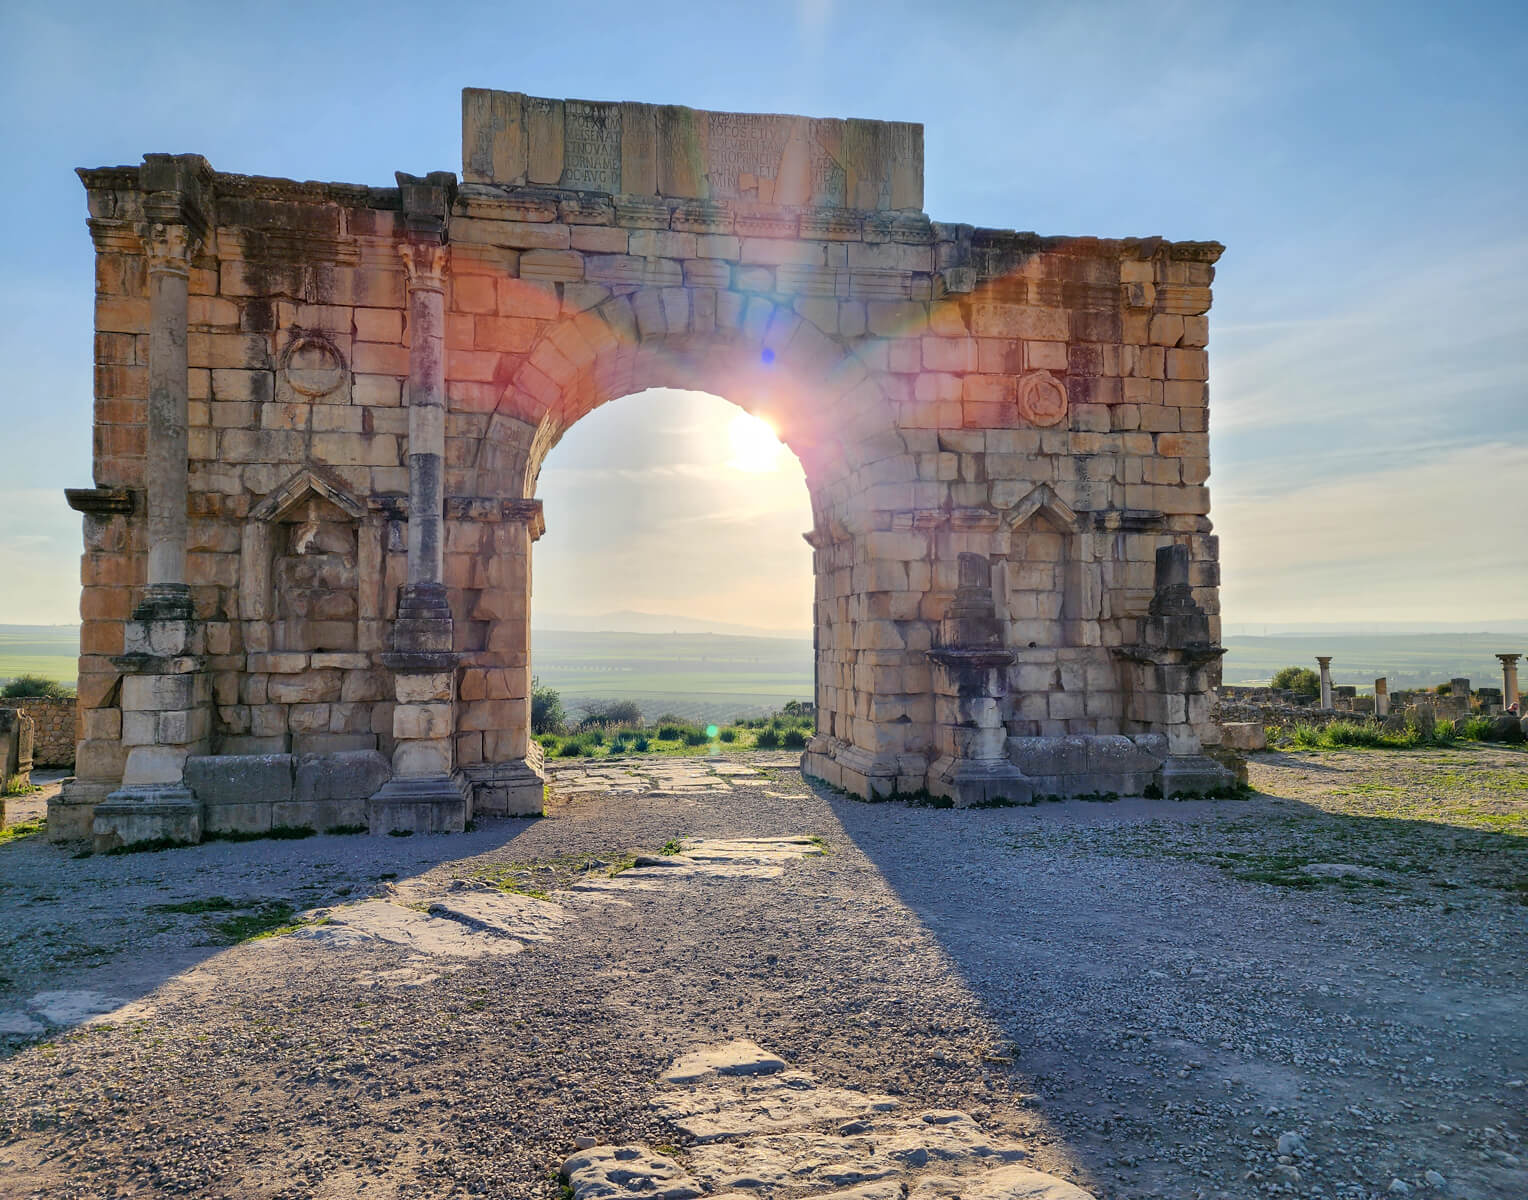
(51, 651)
(697, 676)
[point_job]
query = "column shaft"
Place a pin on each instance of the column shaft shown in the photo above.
(427, 412)
(168, 469)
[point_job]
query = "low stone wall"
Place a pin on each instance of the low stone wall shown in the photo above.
(53, 729)
(1279, 716)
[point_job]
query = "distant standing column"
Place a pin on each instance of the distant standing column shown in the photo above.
(1381, 697)
(1459, 690)
(1509, 695)
(1326, 680)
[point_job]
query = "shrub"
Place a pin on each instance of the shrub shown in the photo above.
(670, 732)
(641, 745)
(767, 739)
(1476, 729)
(728, 735)
(595, 737)
(1300, 680)
(798, 708)
(571, 750)
(34, 686)
(546, 709)
(603, 714)
(794, 739)
(695, 737)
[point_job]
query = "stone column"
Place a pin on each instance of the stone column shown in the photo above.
(1169, 680)
(166, 697)
(1509, 694)
(426, 793)
(168, 468)
(1325, 663)
(1381, 697)
(970, 682)
(1459, 694)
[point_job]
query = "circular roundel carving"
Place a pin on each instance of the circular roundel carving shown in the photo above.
(312, 365)
(1042, 399)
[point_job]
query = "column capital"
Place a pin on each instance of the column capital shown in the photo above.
(425, 265)
(168, 247)
(1508, 659)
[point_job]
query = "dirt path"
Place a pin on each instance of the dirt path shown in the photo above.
(1143, 995)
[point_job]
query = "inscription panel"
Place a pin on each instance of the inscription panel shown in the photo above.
(754, 158)
(591, 147)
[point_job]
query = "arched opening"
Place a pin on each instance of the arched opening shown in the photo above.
(673, 573)
(598, 346)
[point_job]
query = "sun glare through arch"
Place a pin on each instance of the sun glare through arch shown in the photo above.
(756, 447)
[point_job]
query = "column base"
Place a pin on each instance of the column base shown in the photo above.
(420, 804)
(1193, 775)
(851, 768)
(507, 789)
(976, 783)
(157, 812)
(71, 813)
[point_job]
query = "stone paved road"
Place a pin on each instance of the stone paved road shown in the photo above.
(1144, 997)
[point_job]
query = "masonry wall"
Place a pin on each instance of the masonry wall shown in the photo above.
(55, 729)
(1042, 402)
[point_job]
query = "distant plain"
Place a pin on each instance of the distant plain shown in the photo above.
(718, 676)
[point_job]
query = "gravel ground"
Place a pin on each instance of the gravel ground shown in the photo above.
(1145, 994)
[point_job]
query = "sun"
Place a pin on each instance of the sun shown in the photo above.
(755, 446)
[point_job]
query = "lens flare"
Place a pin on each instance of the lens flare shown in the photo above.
(755, 446)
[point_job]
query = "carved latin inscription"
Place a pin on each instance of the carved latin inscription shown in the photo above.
(591, 147)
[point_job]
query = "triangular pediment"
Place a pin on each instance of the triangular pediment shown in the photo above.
(286, 499)
(1043, 500)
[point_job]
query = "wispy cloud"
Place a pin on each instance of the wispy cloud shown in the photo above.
(1428, 540)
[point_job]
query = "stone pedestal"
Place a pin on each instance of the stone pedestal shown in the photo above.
(426, 793)
(1170, 677)
(166, 718)
(970, 677)
(1381, 697)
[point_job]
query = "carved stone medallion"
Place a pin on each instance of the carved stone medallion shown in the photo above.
(1042, 399)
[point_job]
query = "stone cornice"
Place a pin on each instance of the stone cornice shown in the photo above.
(100, 501)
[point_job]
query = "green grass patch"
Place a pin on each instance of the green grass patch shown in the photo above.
(207, 904)
(22, 829)
(266, 920)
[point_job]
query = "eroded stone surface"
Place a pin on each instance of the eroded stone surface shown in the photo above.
(763, 1129)
(467, 922)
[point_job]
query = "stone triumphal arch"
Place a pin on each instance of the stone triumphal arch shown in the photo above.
(321, 409)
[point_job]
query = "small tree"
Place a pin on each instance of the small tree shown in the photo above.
(28, 686)
(607, 714)
(546, 709)
(1300, 680)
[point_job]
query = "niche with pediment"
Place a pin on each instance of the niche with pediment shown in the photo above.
(1047, 581)
(301, 566)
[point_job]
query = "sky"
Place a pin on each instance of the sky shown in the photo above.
(1365, 164)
